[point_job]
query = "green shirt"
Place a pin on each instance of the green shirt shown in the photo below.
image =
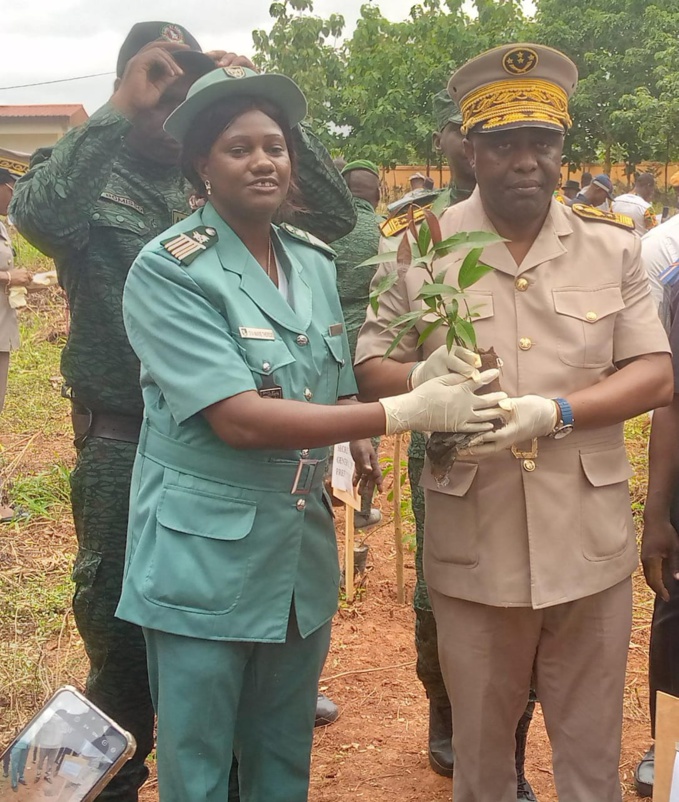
(91, 204)
(353, 282)
(219, 541)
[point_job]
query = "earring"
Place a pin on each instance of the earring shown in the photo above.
(208, 186)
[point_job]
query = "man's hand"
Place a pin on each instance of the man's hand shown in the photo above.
(222, 58)
(20, 277)
(442, 362)
(367, 473)
(147, 76)
(659, 544)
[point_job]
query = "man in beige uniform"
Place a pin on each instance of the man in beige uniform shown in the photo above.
(530, 546)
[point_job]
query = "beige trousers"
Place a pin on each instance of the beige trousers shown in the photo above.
(4, 370)
(579, 653)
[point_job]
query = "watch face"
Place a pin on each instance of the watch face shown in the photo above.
(564, 431)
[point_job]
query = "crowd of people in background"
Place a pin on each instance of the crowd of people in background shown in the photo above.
(207, 243)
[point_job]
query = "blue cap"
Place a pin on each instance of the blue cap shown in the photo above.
(604, 182)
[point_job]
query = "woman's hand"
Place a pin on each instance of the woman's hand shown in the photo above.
(367, 472)
(20, 277)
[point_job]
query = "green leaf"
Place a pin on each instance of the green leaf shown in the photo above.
(429, 330)
(408, 317)
(453, 309)
(441, 276)
(384, 284)
(472, 270)
(450, 339)
(466, 331)
(400, 336)
(466, 239)
(441, 203)
(424, 238)
(380, 259)
(431, 290)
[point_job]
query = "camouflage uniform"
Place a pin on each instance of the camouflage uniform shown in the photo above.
(91, 204)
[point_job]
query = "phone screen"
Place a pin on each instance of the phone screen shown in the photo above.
(62, 754)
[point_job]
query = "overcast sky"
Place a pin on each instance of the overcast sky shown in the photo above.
(45, 40)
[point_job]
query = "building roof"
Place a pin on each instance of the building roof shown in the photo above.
(73, 112)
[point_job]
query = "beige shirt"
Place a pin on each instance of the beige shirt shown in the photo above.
(578, 304)
(9, 326)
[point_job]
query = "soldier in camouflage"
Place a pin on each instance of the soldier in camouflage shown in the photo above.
(106, 189)
(447, 139)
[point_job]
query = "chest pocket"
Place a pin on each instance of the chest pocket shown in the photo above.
(584, 324)
(109, 214)
(268, 358)
(202, 555)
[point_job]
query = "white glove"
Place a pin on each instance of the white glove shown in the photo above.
(527, 417)
(441, 363)
(444, 405)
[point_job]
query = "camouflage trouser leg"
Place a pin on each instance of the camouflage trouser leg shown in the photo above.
(118, 681)
(426, 644)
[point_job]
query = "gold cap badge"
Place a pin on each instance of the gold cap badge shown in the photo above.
(235, 72)
(520, 61)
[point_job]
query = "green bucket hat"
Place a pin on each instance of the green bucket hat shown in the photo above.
(226, 82)
(446, 110)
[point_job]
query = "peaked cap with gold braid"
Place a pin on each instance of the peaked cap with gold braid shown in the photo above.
(515, 86)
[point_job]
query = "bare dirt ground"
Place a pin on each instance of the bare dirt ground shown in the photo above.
(377, 749)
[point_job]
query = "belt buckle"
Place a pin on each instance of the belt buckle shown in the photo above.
(301, 485)
(528, 457)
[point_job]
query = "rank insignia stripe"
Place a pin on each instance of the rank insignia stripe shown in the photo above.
(395, 225)
(586, 212)
(188, 245)
(309, 239)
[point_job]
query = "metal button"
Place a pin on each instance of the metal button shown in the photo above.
(521, 284)
(592, 316)
(301, 504)
(305, 453)
(302, 339)
(120, 218)
(96, 216)
(529, 465)
(308, 394)
(525, 343)
(266, 366)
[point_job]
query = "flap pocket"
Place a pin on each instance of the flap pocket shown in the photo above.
(113, 215)
(606, 467)
(266, 356)
(195, 512)
(480, 304)
(460, 478)
(335, 346)
(588, 305)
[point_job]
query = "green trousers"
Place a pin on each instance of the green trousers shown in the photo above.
(214, 698)
(117, 681)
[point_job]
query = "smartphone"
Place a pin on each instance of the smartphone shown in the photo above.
(68, 752)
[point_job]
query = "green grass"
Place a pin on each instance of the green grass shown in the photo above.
(25, 255)
(45, 494)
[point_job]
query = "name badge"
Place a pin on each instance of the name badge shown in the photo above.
(336, 328)
(256, 334)
(270, 389)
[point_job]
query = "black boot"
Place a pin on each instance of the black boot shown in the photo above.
(441, 756)
(524, 793)
(327, 711)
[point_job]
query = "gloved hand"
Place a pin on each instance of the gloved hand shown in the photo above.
(444, 405)
(527, 417)
(440, 363)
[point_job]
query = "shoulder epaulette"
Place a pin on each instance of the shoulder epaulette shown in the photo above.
(398, 223)
(309, 239)
(592, 213)
(188, 245)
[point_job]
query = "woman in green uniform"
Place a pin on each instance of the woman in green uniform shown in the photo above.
(232, 563)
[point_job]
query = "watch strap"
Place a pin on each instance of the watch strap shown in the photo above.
(567, 418)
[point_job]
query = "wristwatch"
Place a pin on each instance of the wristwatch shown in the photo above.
(565, 427)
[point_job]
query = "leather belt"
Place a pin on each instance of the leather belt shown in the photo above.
(115, 427)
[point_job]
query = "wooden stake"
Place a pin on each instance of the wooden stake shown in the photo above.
(349, 552)
(398, 523)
